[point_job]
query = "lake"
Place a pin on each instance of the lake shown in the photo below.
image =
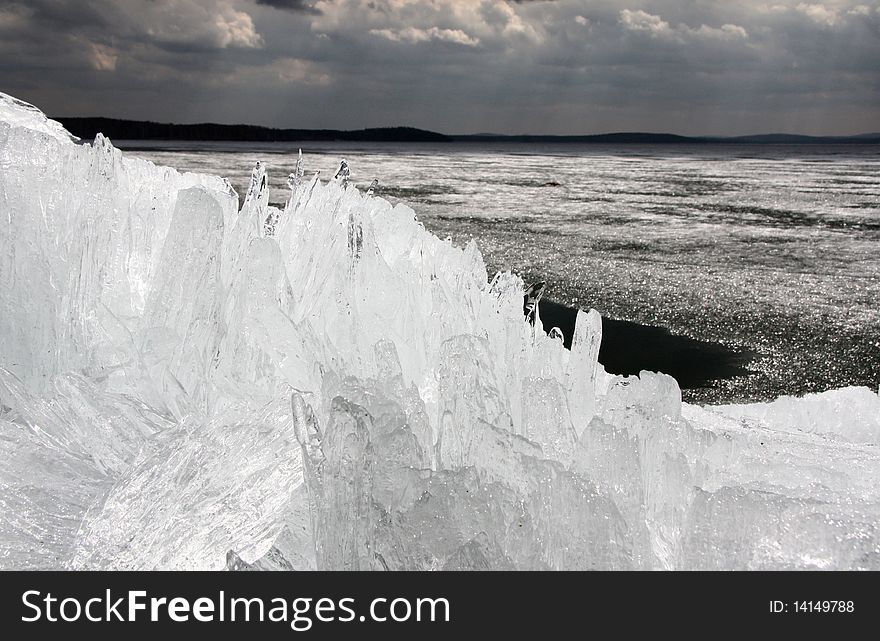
(768, 250)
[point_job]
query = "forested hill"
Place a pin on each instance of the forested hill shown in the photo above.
(115, 129)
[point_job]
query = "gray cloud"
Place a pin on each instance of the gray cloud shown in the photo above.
(453, 65)
(304, 6)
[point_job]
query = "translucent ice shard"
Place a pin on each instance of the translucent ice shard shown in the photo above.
(18, 113)
(225, 486)
(343, 173)
(186, 383)
(583, 376)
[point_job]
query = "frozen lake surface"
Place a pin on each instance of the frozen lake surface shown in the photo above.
(771, 249)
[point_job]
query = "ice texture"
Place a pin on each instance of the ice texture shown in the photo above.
(186, 383)
(850, 414)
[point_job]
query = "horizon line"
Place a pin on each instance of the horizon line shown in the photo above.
(868, 134)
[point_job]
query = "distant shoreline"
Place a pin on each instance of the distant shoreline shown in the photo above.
(116, 129)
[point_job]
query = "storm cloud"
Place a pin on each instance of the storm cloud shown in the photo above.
(455, 66)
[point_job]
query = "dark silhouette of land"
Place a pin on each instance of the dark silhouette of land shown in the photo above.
(116, 129)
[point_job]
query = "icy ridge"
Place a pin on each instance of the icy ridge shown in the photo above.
(189, 384)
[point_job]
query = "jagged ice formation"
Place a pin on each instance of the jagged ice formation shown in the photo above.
(186, 384)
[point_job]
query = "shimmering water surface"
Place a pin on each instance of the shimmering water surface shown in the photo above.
(769, 249)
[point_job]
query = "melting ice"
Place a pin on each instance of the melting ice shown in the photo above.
(189, 384)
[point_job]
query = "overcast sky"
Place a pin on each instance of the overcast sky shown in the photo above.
(456, 66)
